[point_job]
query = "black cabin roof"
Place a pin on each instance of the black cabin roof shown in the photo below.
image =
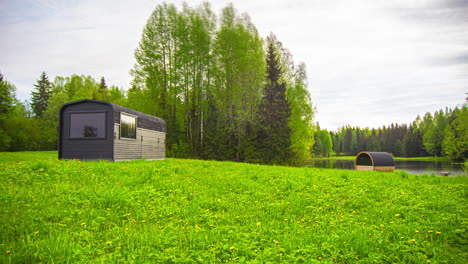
(143, 120)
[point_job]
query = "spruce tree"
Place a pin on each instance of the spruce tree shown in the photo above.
(40, 95)
(274, 133)
(103, 89)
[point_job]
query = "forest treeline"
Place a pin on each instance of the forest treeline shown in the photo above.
(224, 92)
(444, 133)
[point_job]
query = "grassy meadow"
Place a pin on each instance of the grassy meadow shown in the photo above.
(190, 211)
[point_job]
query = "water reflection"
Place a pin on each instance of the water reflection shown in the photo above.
(411, 166)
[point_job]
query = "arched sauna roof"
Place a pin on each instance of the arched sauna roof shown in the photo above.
(376, 159)
(143, 121)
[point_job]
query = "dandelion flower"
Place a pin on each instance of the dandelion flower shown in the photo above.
(397, 215)
(259, 224)
(36, 233)
(126, 229)
(276, 243)
(391, 223)
(71, 233)
(344, 243)
(319, 258)
(413, 240)
(232, 248)
(83, 224)
(402, 238)
(417, 231)
(430, 231)
(438, 233)
(8, 252)
(382, 226)
(108, 242)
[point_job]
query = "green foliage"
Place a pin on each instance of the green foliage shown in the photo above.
(205, 76)
(192, 211)
(301, 119)
(323, 144)
(455, 143)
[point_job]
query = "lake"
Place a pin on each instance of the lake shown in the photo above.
(411, 166)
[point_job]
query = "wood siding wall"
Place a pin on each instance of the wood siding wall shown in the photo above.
(148, 145)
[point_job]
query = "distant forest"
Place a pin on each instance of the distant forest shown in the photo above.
(225, 94)
(444, 133)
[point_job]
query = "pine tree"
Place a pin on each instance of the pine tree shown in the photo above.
(274, 135)
(103, 89)
(40, 95)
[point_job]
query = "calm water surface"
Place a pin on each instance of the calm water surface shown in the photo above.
(411, 166)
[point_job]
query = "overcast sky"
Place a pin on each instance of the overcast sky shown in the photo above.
(370, 63)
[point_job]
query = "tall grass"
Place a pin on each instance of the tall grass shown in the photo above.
(188, 211)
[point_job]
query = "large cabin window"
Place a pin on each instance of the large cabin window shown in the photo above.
(127, 126)
(88, 125)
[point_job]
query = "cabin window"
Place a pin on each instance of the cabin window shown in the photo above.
(88, 125)
(127, 126)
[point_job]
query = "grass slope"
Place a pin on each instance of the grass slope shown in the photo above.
(189, 211)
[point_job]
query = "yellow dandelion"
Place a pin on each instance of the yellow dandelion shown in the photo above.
(8, 252)
(36, 233)
(198, 227)
(382, 226)
(350, 222)
(184, 198)
(83, 224)
(143, 221)
(276, 243)
(357, 258)
(259, 224)
(428, 261)
(402, 238)
(71, 233)
(438, 233)
(391, 223)
(286, 220)
(108, 243)
(413, 240)
(381, 212)
(344, 243)
(334, 258)
(319, 258)
(430, 231)
(417, 231)
(126, 229)
(370, 235)
(397, 215)
(232, 248)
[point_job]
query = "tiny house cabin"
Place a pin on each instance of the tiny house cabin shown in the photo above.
(378, 161)
(96, 130)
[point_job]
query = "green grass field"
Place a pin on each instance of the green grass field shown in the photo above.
(189, 211)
